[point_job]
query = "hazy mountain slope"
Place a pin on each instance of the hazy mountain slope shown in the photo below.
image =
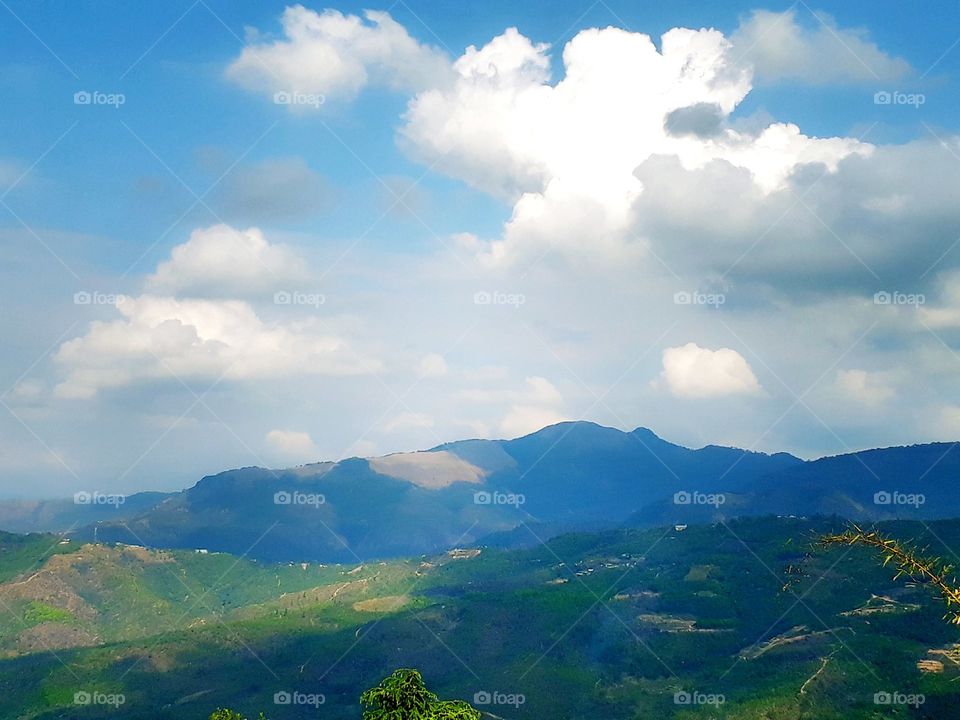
(918, 481)
(568, 475)
(361, 514)
(26, 516)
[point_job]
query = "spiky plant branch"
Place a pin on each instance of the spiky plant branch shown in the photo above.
(909, 562)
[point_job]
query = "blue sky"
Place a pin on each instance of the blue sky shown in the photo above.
(386, 203)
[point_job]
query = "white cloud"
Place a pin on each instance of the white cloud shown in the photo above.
(946, 312)
(433, 365)
(691, 371)
(226, 262)
(27, 390)
(292, 445)
(164, 337)
(525, 419)
(537, 405)
(868, 388)
(169, 337)
(779, 48)
(524, 409)
(566, 154)
(337, 55)
(946, 425)
(887, 214)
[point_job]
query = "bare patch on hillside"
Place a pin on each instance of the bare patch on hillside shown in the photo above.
(53, 635)
(389, 603)
(430, 470)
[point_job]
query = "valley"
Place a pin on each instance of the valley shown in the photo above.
(625, 623)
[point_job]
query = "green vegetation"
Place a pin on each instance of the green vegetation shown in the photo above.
(20, 554)
(223, 714)
(616, 625)
(38, 612)
(403, 696)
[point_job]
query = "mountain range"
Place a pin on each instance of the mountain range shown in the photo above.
(569, 476)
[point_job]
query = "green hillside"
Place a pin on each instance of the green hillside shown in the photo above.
(625, 624)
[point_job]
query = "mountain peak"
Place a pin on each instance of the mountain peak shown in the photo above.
(646, 434)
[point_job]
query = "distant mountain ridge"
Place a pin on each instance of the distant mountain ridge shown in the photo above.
(567, 476)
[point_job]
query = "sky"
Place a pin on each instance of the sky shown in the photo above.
(244, 233)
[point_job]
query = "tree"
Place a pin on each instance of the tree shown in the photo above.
(403, 696)
(226, 714)
(908, 561)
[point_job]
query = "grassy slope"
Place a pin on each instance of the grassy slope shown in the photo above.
(503, 622)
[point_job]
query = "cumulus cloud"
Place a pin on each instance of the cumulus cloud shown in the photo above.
(207, 333)
(292, 445)
(226, 262)
(691, 371)
(890, 214)
(780, 48)
(336, 55)
(566, 154)
(165, 338)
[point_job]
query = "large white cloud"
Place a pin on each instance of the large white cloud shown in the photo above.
(336, 55)
(223, 261)
(165, 337)
(691, 371)
(184, 335)
(882, 221)
(566, 154)
(780, 48)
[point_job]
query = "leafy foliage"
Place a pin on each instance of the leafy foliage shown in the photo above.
(403, 696)
(38, 612)
(226, 714)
